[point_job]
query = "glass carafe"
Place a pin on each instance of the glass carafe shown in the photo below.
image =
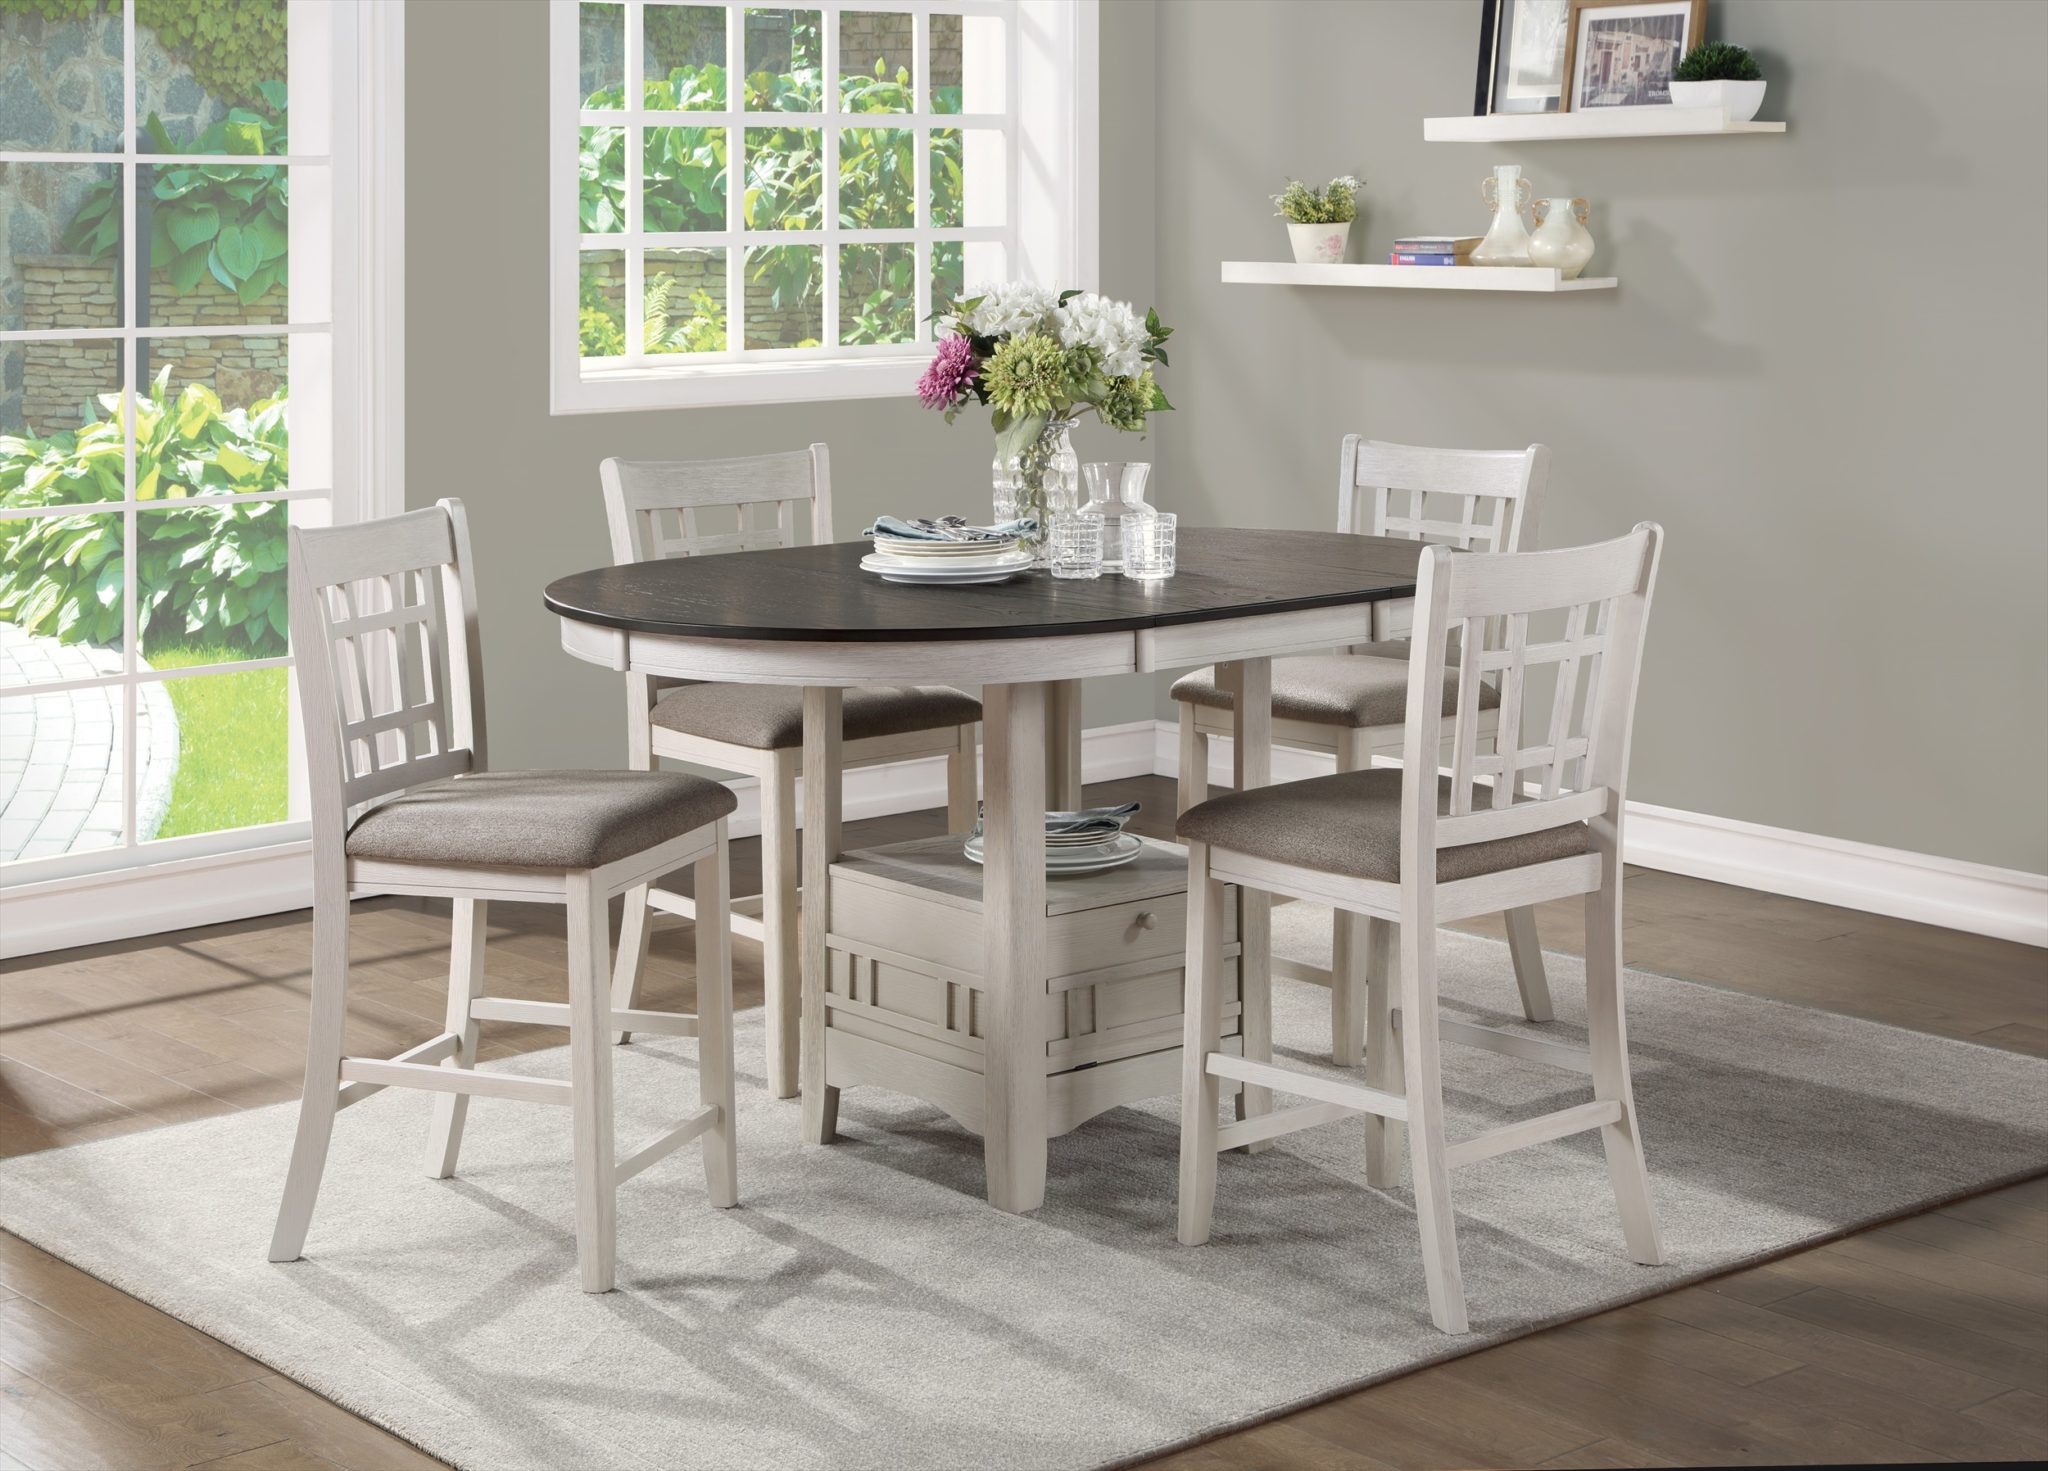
(1116, 493)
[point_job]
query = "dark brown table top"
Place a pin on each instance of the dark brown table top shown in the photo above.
(820, 594)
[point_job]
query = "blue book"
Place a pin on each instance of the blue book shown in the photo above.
(1403, 258)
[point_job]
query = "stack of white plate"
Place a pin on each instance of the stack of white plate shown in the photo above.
(903, 559)
(1078, 852)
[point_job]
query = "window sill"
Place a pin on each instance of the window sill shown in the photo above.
(732, 385)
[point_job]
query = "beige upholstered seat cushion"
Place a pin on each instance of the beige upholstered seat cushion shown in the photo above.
(1355, 691)
(770, 717)
(1351, 824)
(537, 819)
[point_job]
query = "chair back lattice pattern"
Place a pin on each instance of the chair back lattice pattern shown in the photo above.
(690, 508)
(390, 672)
(1578, 729)
(1474, 500)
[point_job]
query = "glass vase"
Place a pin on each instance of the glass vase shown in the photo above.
(1041, 482)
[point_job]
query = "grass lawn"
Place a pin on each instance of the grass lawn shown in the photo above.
(232, 733)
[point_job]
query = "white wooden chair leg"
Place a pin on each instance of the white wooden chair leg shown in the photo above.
(1607, 1042)
(962, 791)
(1527, 953)
(1250, 682)
(714, 1022)
(635, 928)
(1433, 1210)
(824, 716)
(1383, 1068)
(465, 984)
(781, 984)
(1201, 1034)
(1192, 784)
(590, 1077)
(1348, 1001)
(636, 936)
(321, 1099)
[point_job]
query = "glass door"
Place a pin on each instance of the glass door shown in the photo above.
(166, 410)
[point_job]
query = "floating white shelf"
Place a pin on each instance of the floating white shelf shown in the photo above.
(1412, 278)
(1608, 122)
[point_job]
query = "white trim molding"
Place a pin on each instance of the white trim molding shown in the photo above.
(2003, 903)
(127, 903)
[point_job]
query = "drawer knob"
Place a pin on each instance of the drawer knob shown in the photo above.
(1147, 920)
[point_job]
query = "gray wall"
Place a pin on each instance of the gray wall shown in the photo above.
(1840, 432)
(477, 420)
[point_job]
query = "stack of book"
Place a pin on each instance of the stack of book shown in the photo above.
(1433, 250)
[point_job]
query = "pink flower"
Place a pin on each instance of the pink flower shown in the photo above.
(947, 378)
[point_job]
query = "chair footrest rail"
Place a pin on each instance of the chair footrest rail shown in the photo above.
(435, 1079)
(1514, 1044)
(427, 1053)
(556, 1014)
(1525, 1132)
(1352, 1097)
(662, 1145)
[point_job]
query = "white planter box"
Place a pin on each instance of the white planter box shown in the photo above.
(1739, 100)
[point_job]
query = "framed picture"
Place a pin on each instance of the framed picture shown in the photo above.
(1521, 56)
(1621, 53)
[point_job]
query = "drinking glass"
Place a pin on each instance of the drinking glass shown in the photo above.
(1149, 546)
(1076, 547)
(1116, 493)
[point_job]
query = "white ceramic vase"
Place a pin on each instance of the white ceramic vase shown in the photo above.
(1562, 240)
(1741, 101)
(1506, 193)
(1319, 245)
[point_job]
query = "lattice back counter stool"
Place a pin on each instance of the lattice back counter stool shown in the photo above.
(391, 688)
(1408, 847)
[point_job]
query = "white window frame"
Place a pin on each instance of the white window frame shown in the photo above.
(1051, 139)
(353, 57)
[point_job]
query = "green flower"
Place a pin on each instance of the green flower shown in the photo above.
(1128, 401)
(1027, 376)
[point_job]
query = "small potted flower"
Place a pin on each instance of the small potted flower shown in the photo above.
(1716, 74)
(1319, 220)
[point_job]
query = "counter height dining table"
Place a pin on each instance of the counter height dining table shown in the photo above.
(809, 616)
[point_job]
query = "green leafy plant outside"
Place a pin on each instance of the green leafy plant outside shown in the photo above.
(222, 220)
(685, 169)
(1717, 61)
(209, 573)
(1336, 203)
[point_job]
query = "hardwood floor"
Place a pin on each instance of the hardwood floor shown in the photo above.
(1924, 1339)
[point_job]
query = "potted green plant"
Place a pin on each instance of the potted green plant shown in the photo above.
(1319, 220)
(1717, 74)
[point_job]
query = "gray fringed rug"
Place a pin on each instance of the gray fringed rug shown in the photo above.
(864, 1308)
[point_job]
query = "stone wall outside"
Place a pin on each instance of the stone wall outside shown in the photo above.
(59, 378)
(61, 91)
(695, 270)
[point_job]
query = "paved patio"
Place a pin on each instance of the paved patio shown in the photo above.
(61, 753)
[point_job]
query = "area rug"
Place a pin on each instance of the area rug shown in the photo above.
(864, 1307)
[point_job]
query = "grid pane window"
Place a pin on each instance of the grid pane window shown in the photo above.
(799, 181)
(152, 321)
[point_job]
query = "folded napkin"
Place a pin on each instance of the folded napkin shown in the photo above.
(949, 528)
(1106, 821)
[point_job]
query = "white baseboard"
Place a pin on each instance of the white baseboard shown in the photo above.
(128, 903)
(2000, 902)
(2004, 903)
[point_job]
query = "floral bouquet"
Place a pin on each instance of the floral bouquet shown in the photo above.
(1040, 360)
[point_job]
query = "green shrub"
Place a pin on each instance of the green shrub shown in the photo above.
(1336, 203)
(686, 182)
(1717, 61)
(220, 219)
(212, 573)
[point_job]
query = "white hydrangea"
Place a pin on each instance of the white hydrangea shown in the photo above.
(1110, 327)
(1011, 307)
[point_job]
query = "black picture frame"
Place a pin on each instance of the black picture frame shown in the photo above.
(1495, 29)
